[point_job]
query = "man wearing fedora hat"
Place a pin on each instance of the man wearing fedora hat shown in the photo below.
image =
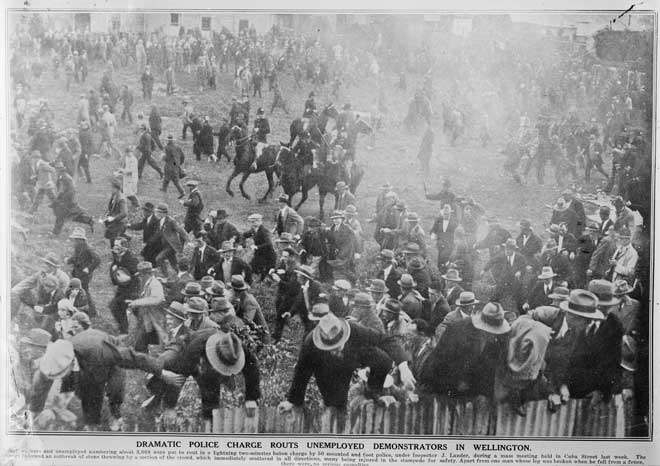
(507, 269)
(84, 260)
(540, 293)
(624, 260)
(442, 233)
(564, 239)
(378, 291)
(396, 322)
(307, 296)
(529, 244)
(421, 274)
(228, 265)
(464, 306)
(332, 352)
(288, 288)
(262, 244)
(586, 246)
(342, 249)
(388, 272)
(173, 238)
(248, 308)
(560, 262)
(212, 357)
(148, 310)
(363, 312)
(343, 196)
(173, 168)
(204, 256)
(117, 215)
(197, 310)
(628, 311)
(411, 232)
(194, 205)
(452, 286)
(150, 232)
(464, 363)
(412, 301)
(288, 220)
(339, 300)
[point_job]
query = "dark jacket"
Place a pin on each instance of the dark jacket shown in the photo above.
(116, 209)
(223, 231)
(199, 265)
(150, 236)
(174, 287)
(83, 258)
(172, 235)
(288, 290)
(393, 288)
(365, 347)
(537, 296)
(194, 206)
(531, 248)
(504, 273)
(173, 159)
(462, 359)
(128, 262)
(264, 256)
(205, 141)
(238, 267)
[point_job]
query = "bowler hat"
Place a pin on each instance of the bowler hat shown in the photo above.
(78, 233)
(416, 264)
(217, 289)
(148, 207)
(196, 305)
(559, 292)
(392, 306)
(51, 259)
(452, 275)
(176, 310)
(362, 299)
(283, 198)
(546, 272)
(340, 186)
(162, 208)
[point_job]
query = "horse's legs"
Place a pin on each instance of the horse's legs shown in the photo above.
(233, 175)
(269, 176)
(303, 195)
(245, 176)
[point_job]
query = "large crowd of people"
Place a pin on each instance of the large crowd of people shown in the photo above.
(546, 315)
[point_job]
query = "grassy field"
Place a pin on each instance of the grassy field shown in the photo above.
(474, 171)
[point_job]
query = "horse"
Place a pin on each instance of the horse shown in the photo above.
(246, 163)
(359, 126)
(300, 125)
(324, 175)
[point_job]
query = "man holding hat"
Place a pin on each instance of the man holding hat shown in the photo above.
(332, 352)
(288, 220)
(148, 310)
(150, 233)
(229, 265)
(173, 170)
(464, 364)
(173, 238)
(264, 253)
(343, 196)
(83, 262)
(194, 205)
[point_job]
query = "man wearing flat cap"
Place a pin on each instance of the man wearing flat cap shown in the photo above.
(332, 352)
(194, 205)
(464, 363)
(148, 310)
(264, 252)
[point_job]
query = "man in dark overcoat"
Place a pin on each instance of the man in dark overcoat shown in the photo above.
(264, 253)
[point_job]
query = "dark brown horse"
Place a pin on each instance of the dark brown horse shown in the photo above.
(314, 126)
(246, 163)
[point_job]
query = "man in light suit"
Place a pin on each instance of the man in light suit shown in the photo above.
(148, 309)
(624, 259)
(288, 220)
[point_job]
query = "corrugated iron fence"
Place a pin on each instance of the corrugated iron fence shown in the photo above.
(429, 416)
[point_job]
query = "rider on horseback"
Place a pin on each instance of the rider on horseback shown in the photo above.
(310, 106)
(261, 130)
(304, 152)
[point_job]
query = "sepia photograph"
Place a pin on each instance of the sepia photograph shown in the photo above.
(383, 223)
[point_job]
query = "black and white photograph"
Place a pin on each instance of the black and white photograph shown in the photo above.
(355, 223)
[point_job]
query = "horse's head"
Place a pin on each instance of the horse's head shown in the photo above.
(236, 133)
(331, 111)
